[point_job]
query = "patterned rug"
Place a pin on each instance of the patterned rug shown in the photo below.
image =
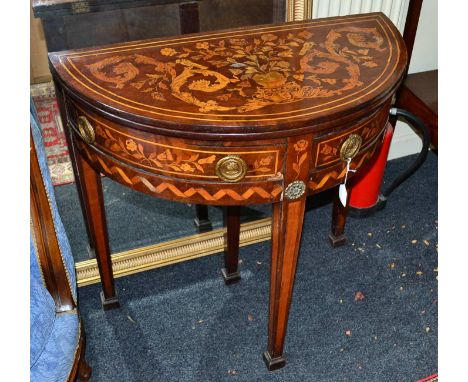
(44, 99)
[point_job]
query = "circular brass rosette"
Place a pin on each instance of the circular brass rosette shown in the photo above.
(86, 129)
(350, 147)
(295, 190)
(231, 168)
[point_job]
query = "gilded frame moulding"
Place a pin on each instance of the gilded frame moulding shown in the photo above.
(297, 10)
(172, 252)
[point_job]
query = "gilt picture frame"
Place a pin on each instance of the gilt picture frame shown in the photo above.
(297, 10)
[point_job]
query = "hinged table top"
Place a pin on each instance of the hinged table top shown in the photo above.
(268, 76)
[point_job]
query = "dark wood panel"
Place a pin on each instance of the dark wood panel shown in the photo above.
(424, 85)
(419, 96)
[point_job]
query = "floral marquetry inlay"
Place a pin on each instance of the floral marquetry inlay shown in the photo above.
(185, 161)
(301, 155)
(245, 74)
(265, 71)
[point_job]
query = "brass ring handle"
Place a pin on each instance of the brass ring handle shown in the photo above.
(350, 147)
(231, 168)
(86, 129)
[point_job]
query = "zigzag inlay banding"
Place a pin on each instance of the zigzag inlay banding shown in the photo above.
(190, 192)
(334, 175)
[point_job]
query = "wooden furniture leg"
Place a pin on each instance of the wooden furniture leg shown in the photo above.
(202, 221)
(339, 215)
(231, 215)
(286, 237)
(84, 371)
(90, 183)
(71, 152)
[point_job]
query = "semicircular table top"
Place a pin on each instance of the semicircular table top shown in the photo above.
(266, 76)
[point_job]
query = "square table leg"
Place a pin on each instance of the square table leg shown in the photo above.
(231, 218)
(63, 114)
(202, 220)
(288, 218)
(90, 183)
(337, 237)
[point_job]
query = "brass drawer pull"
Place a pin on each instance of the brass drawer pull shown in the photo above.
(86, 129)
(350, 147)
(231, 168)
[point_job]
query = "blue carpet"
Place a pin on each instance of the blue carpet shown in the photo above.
(181, 323)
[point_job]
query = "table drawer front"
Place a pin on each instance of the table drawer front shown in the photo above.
(179, 189)
(177, 157)
(329, 148)
(330, 176)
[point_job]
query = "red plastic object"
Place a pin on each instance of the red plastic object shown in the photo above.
(366, 187)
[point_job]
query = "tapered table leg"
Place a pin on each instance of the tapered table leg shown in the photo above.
(288, 217)
(71, 152)
(90, 183)
(337, 237)
(230, 271)
(202, 221)
(86, 214)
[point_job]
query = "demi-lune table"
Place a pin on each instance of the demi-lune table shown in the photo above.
(265, 114)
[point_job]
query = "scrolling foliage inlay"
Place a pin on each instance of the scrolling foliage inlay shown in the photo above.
(180, 160)
(240, 75)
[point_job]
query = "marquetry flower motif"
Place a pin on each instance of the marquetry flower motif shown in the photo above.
(168, 52)
(263, 164)
(168, 159)
(130, 144)
(238, 41)
(301, 145)
(269, 37)
(305, 35)
(327, 150)
(270, 80)
(202, 45)
(186, 167)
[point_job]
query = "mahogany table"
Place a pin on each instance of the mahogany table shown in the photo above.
(264, 114)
